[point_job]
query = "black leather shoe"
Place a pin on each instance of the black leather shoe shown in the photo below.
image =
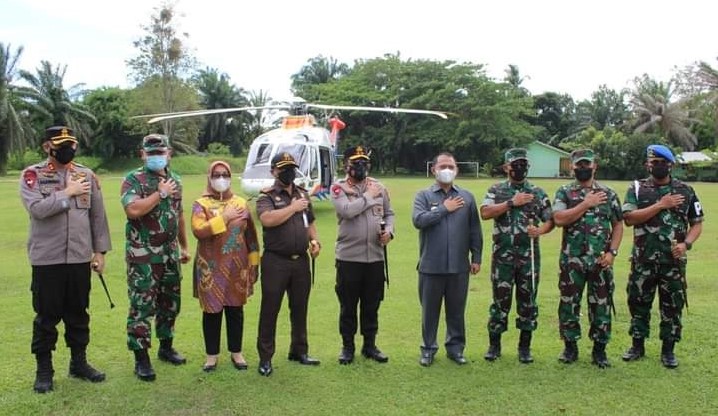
(84, 371)
(373, 353)
(669, 360)
(346, 356)
(144, 371)
(43, 383)
(170, 355)
(265, 368)
(303, 359)
(493, 353)
(457, 358)
(427, 359)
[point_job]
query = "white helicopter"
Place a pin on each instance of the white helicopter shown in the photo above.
(313, 147)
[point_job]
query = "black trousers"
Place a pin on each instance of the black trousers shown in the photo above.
(281, 274)
(212, 326)
(362, 285)
(60, 292)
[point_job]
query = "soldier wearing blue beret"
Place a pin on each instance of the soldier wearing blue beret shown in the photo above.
(667, 219)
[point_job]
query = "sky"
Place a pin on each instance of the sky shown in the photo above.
(565, 46)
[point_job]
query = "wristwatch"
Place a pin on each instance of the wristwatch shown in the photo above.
(163, 194)
(613, 252)
(510, 203)
(688, 245)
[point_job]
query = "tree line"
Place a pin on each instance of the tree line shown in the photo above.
(488, 115)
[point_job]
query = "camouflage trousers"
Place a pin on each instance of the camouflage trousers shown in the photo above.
(643, 281)
(504, 277)
(153, 290)
(575, 274)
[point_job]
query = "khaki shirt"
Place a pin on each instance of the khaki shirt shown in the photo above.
(63, 230)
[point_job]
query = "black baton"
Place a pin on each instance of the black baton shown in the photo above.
(314, 266)
(107, 292)
(382, 224)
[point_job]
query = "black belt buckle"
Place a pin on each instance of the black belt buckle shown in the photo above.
(294, 256)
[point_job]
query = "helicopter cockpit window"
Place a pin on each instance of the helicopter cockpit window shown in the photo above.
(300, 153)
(263, 153)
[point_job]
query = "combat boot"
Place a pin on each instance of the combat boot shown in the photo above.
(598, 355)
(494, 351)
(44, 373)
(636, 352)
(168, 354)
(570, 353)
(143, 367)
(525, 348)
(80, 368)
(668, 358)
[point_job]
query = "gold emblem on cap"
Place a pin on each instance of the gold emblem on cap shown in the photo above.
(64, 133)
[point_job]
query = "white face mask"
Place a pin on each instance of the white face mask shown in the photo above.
(220, 184)
(445, 176)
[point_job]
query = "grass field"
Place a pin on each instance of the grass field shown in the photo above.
(400, 387)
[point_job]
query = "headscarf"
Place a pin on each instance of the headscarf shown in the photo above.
(209, 191)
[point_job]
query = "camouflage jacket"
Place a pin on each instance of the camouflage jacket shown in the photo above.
(153, 237)
(591, 234)
(510, 234)
(652, 240)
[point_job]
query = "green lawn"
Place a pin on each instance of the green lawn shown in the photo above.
(397, 388)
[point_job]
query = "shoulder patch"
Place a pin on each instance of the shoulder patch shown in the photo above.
(336, 190)
(30, 178)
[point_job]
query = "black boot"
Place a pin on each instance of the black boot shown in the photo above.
(143, 367)
(570, 352)
(525, 348)
(494, 351)
(598, 355)
(168, 354)
(636, 352)
(44, 373)
(346, 356)
(80, 368)
(668, 358)
(369, 350)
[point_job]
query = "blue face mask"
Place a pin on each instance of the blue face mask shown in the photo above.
(156, 162)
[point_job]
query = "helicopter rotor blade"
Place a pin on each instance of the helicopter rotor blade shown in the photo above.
(184, 114)
(440, 114)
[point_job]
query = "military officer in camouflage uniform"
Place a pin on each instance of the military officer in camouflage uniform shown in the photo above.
(68, 236)
(667, 219)
(517, 207)
(156, 245)
(366, 224)
(590, 214)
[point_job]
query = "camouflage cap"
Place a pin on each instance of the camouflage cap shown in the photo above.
(153, 142)
(582, 154)
(59, 134)
(282, 160)
(356, 153)
(659, 150)
(515, 154)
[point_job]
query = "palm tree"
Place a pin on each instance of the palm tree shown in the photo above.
(53, 104)
(15, 130)
(318, 70)
(217, 92)
(655, 112)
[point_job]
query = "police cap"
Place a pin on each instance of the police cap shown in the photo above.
(282, 160)
(59, 134)
(356, 153)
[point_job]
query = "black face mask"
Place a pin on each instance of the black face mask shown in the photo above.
(358, 171)
(660, 171)
(583, 174)
(63, 155)
(518, 173)
(287, 176)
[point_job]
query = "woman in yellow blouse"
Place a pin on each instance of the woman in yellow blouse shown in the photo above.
(225, 267)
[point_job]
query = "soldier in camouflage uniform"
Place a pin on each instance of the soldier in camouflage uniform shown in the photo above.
(516, 206)
(156, 245)
(68, 236)
(590, 214)
(667, 219)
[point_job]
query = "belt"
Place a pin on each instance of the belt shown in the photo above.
(288, 256)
